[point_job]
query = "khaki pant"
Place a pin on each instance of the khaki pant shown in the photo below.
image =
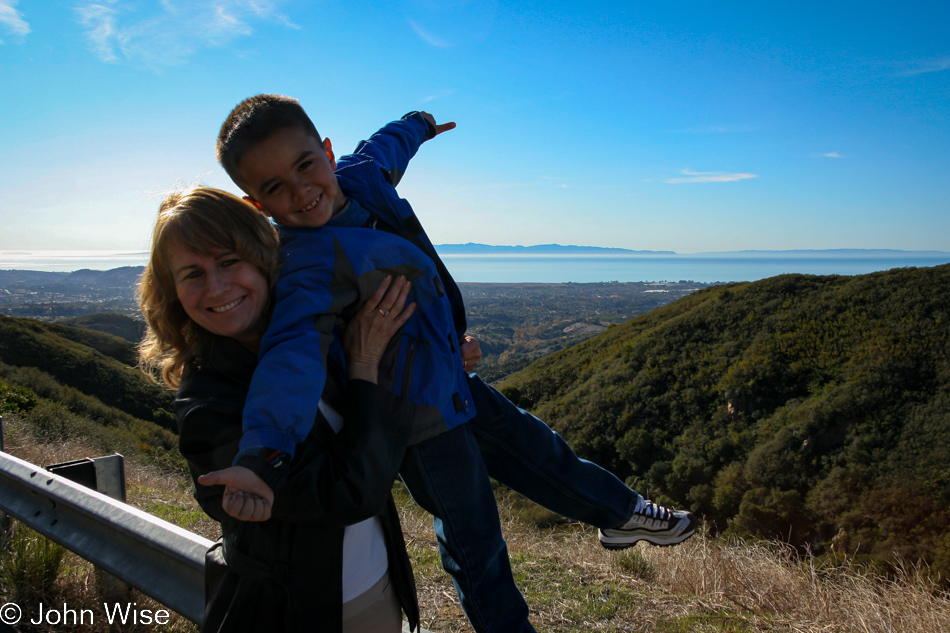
(376, 610)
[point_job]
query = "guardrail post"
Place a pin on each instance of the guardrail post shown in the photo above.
(105, 475)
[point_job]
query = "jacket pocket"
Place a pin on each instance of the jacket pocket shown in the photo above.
(412, 347)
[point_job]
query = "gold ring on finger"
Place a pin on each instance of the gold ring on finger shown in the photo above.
(382, 312)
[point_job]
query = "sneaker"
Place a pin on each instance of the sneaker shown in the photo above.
(653, 524)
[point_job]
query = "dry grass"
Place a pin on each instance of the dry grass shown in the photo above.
(768, 579)
(705, 584)
(573, 585)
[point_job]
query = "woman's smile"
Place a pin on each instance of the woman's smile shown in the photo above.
(227, 307)
(221, 292)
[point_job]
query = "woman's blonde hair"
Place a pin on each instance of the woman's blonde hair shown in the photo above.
(202, 220)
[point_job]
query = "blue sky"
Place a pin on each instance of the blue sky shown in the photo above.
(686, 126)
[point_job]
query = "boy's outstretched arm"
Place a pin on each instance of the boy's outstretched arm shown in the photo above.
(394, 145)
(246, 496)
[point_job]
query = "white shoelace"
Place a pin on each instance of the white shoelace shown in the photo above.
(650, 509)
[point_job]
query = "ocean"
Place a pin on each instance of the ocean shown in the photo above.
(702, 268)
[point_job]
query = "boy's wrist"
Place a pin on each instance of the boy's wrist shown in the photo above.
(430, 127)
(270, 465)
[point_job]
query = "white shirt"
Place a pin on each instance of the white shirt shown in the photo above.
(364, 544)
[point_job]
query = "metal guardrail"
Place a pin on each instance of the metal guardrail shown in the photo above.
(158, 558)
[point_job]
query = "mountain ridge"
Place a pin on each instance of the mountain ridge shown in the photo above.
(798, 407)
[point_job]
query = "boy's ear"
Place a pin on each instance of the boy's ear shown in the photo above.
(328, 148)
(257, 205)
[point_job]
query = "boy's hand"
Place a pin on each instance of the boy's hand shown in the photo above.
(471, 352)
(244, 506)
(246, 496)
(439, 127)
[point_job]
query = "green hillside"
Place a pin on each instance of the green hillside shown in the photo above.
(125, 327)
(95, 363)
(811, 409)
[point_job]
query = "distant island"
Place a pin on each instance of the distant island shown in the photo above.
(558, 249)
(540, 249)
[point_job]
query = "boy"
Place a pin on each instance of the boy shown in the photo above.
(272, 151)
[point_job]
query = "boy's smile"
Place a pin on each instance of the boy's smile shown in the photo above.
(290, 176)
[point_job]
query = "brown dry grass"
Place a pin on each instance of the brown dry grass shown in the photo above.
(573, 585)
(769, 580)
(705, 584)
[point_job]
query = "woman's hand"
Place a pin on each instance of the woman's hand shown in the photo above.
(367, 334)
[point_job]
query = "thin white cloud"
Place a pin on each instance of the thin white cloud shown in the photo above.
(927, 66)
(707, 176)
(168, 32)
(438, 95)
(832, 155)
(99, 21)
(428, 37)
(12, 20)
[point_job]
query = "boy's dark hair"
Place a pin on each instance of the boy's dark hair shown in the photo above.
(254, 120)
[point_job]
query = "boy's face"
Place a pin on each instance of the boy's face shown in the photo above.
(290, 176)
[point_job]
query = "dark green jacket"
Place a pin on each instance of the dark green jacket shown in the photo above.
(285, 574)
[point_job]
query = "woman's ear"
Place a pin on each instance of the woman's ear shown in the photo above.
(328, 148)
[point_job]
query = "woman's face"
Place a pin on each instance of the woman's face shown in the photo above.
(221, 292)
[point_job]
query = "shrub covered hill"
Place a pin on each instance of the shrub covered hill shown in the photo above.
(811, 409)
(95, 363)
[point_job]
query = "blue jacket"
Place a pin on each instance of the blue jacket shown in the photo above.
(370, 175)
(328, 273)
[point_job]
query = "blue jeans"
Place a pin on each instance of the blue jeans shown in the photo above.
(448, 476)
(522, 452)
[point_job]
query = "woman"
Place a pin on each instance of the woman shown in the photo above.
(332, 557)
